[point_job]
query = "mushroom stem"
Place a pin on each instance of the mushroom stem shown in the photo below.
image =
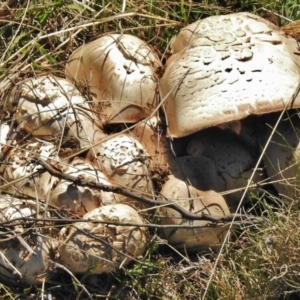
(118, 190)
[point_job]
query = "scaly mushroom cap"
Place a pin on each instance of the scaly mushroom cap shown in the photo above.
(125, 163)
(18, 164)
(224, 68)
(52, 106)
(19, 264)
(121, 71)
(194, 201)
(78, 198)
(100, 248)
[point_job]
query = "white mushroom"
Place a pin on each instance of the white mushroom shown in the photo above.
(224, 68)
(4, 129)
(195, 201)
(126, 164)
(14, 208)
(52, 106)
(96, 248)
(18, 164)
(33, 267)
(25, 256)
(282, 156)
(152, 137)
(77, 198)
(121, 71)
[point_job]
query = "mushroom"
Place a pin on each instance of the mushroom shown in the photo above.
(125, 163)
(25, 255)
(234, 160)
(33, 268)
(96, 248)
(153, 138)
(52, 106)
(199, 172)
(282, 156)
(207, 235)
(225, 68)
(4, 129)
(121, 73)
(78, 198)
(246, 131)
(19, 163)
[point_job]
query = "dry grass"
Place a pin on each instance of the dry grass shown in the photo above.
(261, 261)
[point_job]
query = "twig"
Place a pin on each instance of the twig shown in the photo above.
(73, 277)
(6, 261)
(252, 220)
(118, 190)
(25, 244)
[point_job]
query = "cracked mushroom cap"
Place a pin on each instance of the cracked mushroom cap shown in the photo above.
(52, 106)
(25, 260)
(126, 164)
(224, 68)
(101, 248)
(121, 71)
(194, 201)
(18, 163)
(78, 198)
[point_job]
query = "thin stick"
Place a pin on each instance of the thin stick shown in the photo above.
(119, 190)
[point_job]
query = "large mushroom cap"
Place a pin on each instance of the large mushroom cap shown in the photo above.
(121, 71)
(100, 248)
(224, 68)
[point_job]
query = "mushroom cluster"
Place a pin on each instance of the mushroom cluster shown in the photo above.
(95, 149)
